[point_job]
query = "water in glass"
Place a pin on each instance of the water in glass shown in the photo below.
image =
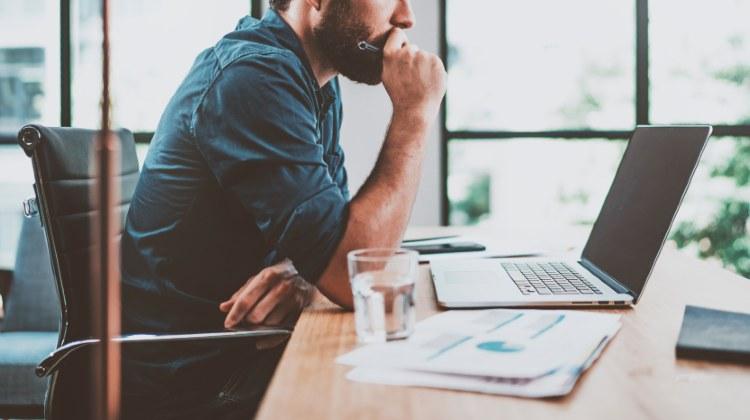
(384, 305)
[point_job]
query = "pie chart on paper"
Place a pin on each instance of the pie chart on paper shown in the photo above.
(500, 347)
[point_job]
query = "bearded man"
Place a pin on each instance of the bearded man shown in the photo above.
(242, 203)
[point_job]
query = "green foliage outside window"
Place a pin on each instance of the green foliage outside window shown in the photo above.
(726, 237)
(474, 204)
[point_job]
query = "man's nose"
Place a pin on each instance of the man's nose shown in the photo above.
(403, 16)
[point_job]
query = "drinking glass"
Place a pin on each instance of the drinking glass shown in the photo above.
(382, 281)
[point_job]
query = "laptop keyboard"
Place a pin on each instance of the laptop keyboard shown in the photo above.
(549, 279)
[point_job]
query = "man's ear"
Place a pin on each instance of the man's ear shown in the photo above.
(315, 4)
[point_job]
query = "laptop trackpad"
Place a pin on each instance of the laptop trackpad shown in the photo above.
(470, 285)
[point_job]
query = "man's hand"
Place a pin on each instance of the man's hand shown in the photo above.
(271, 297)
(414, 79)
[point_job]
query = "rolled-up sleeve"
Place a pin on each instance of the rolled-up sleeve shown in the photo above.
(257, 128)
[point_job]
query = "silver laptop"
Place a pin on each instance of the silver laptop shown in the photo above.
(621, 250)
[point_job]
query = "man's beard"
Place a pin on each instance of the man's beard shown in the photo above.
(338, 36)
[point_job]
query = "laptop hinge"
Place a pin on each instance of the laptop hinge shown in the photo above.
(606, 278)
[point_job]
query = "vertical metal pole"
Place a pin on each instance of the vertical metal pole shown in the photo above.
(444, 204)
(106, 279)
(66, 60)
(256, 8)
(642, 64)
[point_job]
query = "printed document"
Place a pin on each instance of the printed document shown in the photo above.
(533, 353)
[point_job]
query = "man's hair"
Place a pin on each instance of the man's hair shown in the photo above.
(279, 4)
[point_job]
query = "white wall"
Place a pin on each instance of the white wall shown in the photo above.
(366, 114)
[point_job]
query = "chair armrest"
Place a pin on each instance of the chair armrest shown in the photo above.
(53, 361)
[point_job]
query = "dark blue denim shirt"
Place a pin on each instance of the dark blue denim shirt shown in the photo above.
(244, 170)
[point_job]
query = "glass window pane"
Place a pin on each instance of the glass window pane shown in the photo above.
(29, 64)
(29, 93)
(540, 65)
(154, 43)
(16, 180)
(714, 221)
(141, 150)
(549, 184)
(700, 61)
(87, 63)
(530, 183)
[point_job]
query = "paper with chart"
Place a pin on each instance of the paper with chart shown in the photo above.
(499, 343)
(558, 383)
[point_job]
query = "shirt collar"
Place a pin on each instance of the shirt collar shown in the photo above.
(287, 38)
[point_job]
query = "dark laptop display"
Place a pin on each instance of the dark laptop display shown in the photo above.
(642, 202)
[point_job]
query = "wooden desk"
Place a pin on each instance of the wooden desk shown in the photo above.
(637, 376)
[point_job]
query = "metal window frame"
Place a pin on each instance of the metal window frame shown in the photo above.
(642, 104)
(66, 63)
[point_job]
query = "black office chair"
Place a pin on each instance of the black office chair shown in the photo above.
(64, 182)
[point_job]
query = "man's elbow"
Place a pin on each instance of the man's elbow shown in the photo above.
(340, 298)
(336, 288)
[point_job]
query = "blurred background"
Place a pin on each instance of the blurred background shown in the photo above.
(539, 92)
(542, 96)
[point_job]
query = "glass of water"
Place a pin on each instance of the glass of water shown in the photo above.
(382, 282)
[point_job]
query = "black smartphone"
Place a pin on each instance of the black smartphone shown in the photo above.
(446, 247)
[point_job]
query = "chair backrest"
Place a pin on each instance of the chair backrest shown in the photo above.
(33, 303)
(65, 183)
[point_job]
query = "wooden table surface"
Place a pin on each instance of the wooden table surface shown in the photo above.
(637, 376)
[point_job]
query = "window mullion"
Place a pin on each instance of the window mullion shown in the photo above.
(66, 60)
(641, 63)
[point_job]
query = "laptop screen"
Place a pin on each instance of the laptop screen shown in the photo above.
(644, 197)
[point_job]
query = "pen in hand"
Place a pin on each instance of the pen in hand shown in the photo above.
(367, 47)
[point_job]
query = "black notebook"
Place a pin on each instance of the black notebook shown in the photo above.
(710, 334)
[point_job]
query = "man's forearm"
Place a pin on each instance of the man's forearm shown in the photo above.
(379, 213)
(415, 83)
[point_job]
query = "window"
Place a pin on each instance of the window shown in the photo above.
(513, 68)
(154, 43)
(700, 61)
(29, 93)
(42, 81)
(29, 64)
(542, 95)
(525, 182)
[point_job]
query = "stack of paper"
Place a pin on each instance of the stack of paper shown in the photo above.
(528, 353)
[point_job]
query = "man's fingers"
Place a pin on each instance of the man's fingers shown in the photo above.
(240, 307)
(273, 298)
(279, 271)
(243, 301)
(396, 40)
(250, 295)
(282, 311)
(227, 305)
